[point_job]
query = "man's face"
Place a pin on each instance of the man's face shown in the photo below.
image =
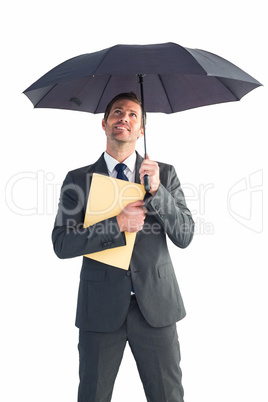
(124, 123)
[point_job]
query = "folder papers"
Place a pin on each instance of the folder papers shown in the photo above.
(107, 197)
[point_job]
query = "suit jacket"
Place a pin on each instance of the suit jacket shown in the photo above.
(104, 291)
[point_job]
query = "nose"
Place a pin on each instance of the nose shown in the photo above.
(124, 117)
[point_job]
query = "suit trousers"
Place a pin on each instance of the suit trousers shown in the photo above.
(156, 352)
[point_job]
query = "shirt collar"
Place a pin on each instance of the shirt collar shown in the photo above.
(111, 162)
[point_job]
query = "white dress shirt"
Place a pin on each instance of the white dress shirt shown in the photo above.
(130, 169)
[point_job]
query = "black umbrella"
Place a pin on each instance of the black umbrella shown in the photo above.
(176, 78)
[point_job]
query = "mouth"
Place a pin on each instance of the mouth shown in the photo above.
(121, 127)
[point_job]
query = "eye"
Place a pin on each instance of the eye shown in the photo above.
(133, 114)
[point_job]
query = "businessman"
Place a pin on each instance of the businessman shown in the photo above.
(141, 305)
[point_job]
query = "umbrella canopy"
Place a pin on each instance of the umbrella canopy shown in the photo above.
(175, 79)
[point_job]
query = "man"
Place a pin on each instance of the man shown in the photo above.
(143, 304)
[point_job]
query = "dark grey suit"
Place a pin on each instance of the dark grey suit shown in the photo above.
(104, 291)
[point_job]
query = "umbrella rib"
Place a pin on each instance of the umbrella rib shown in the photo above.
(40, 100)
(108, 50)
(227, 86)
(100, 98)
(160, 79)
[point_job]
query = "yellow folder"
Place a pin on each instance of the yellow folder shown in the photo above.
(107, 197)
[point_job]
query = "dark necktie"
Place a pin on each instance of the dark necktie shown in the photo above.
(120, 167)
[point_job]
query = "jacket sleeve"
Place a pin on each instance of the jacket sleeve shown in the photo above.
(169, 208)
(69, 237)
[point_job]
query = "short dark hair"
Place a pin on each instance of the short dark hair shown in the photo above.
(125, 95)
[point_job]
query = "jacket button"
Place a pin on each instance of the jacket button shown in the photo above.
(128, 273)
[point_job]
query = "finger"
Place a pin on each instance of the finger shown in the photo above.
(149, 166)
(148, 162)
(134, 208)
(138, 203)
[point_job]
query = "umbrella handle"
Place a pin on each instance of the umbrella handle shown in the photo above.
(146, 181)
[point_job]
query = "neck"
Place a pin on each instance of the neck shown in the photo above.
(120, 154)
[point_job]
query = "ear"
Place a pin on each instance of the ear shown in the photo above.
(103, 124)
(141, 133)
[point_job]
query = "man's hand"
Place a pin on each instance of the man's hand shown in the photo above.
(150, 168)
(131, 218)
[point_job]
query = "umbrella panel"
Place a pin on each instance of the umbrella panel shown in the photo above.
(166, 93)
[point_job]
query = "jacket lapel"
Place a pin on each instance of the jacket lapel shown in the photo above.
(137, 180)
(138, 165)
(100, 166)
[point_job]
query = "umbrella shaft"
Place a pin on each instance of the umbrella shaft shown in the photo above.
(143, 113)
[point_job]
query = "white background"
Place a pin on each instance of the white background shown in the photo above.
(221, 159)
